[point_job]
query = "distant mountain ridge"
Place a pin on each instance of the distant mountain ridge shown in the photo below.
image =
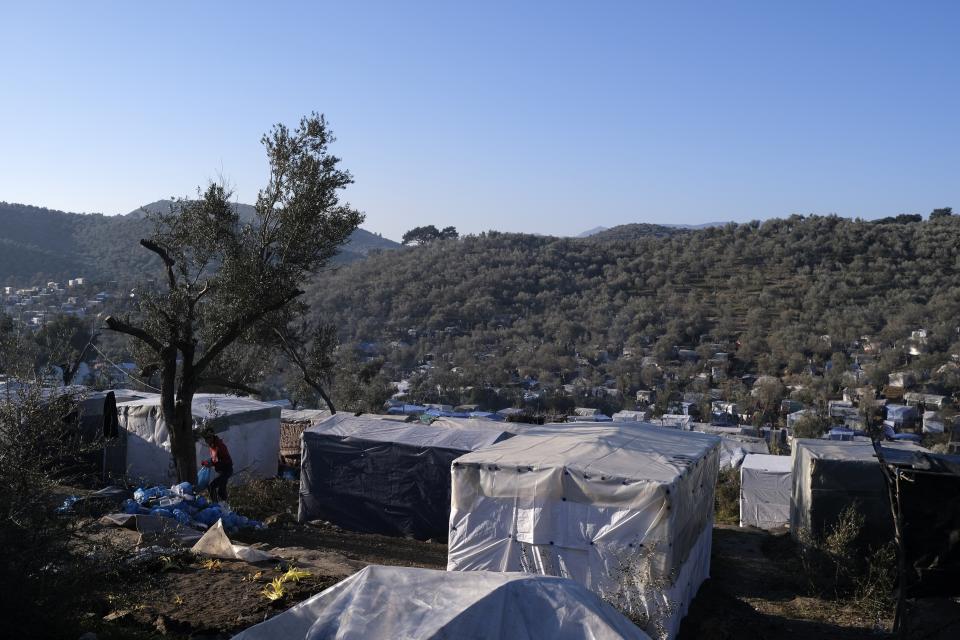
(38, 244)
(642, 229)
(362, 242)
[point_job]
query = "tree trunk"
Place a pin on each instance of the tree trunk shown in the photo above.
(182, 443)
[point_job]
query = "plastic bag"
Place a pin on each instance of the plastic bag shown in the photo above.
(204, 476)
(183, 489)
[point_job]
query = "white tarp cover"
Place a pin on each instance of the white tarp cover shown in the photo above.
(765, 488)
(831, 475)
(415, 434)
(473, 423)
(216, 544)
(600, 504)
(250, 429)
(734, 448)
(405, 603)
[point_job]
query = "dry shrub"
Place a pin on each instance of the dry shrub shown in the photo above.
(727, 497)
(260, 498)
(49, 566)
(838, 566)
(641, 585)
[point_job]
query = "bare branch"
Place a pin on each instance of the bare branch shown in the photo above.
(297, 360)
(229, 384)
(167, 260)
(203, 292)
(114, 324)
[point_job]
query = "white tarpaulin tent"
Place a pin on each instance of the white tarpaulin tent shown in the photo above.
(405, 603)
(765, 488)
(625, 510)
(250, 429)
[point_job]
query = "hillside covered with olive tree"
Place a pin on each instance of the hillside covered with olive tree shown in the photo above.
(787, 297)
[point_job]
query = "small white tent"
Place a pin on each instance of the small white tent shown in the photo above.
(625, 510)
(404, 602)
(250, 429)
(765, 487)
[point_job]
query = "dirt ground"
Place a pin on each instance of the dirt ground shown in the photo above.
(756, 593)
(177, 595)
(756, 590)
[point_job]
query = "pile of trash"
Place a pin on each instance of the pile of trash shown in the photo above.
(179, 503)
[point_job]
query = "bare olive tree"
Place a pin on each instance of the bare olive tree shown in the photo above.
(232, 284)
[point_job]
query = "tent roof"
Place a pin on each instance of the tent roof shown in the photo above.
(639, 451)
(407, 602)
(224, 404)
(857, 451)
(409, 433)
(472, 423)
(764, 462)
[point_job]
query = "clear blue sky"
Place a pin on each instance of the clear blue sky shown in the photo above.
(550, 117)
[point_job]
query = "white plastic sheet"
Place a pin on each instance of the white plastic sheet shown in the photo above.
(734, 448)
(215, 544)
(403, 603)
(765, 488)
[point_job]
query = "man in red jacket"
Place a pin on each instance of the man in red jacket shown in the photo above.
(221, 462)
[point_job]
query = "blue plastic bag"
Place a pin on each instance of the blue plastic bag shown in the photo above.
(204, 476)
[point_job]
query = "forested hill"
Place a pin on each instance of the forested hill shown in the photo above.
(38, 244)
(498, 302)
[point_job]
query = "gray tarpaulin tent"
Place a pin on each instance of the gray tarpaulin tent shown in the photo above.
(387, 603)
(765, 488)
(829, 476)
(626, 510)
(383, 476)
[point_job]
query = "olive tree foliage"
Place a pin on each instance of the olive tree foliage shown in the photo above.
(429, 233)
(231, 286)
(64, 344)
(17, 348)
